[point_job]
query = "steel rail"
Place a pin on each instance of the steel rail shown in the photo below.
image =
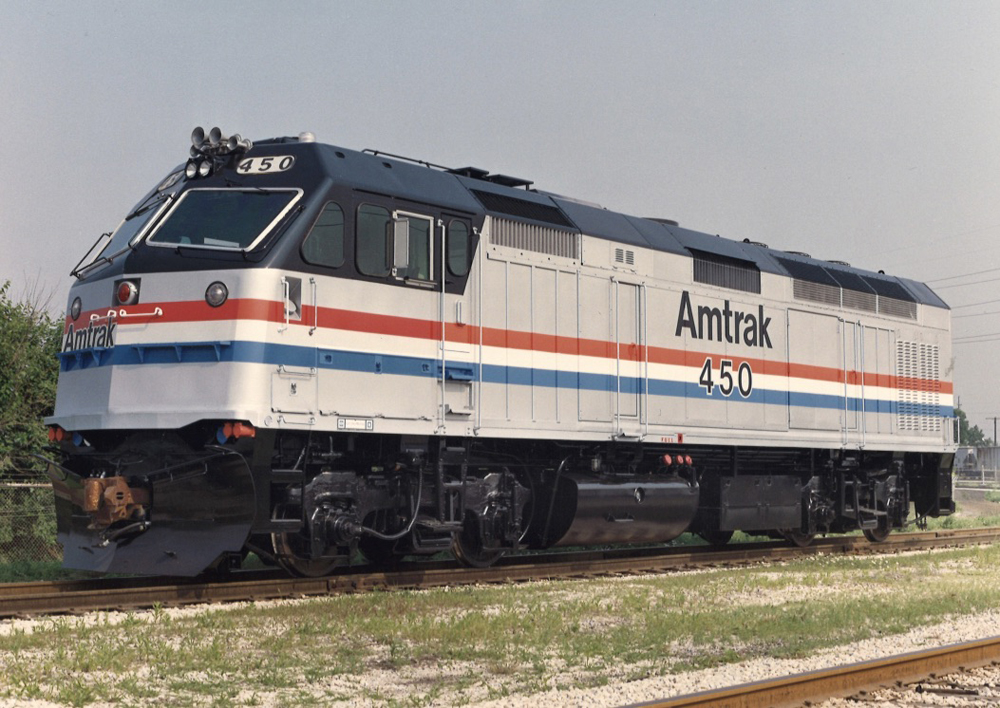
(42, 598)
(801, 689)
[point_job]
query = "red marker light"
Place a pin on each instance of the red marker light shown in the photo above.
(668, 460)
(687, 460)
(127, 293)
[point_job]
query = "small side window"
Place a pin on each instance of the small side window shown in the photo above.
(458, 248)
(420, 230)
(372, 240)
(324, 245)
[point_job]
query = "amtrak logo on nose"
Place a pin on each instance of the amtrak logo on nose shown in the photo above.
(723, 325)
(90, 337)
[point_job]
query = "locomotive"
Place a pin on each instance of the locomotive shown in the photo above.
(313, 353)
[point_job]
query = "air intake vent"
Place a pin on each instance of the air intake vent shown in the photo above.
(816, 292)
(522, 208)
(917, 371)
(713, 269)
(625, 256)
(897, 308)
(838, 287)
(538, 239)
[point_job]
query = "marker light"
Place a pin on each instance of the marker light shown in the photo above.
(243, 430)
(75, 308)
(668, 460)
(216, 294)
(127, 293)
(234, 430)
(56, 434)
(687, 460)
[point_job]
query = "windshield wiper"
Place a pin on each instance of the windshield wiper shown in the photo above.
(77, 271)
(144, 207)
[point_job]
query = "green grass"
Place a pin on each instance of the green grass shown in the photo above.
(478, 642)
(28, 571)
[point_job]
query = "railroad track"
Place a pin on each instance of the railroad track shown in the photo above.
(44, 598)
(902, 674)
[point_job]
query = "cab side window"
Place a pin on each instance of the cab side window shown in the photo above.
(324, 245)
(372, 240)
(458, 248)
(420, 229)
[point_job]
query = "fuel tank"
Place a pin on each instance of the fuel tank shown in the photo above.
(615, 510)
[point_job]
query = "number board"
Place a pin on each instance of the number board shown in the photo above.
(265, 165)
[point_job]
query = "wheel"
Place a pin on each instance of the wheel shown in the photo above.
(880, 532)
(468, 547)
(288, 549)
(715, 537)
(798, 538)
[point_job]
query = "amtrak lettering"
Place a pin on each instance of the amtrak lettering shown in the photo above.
(725, 325)
(93, 336)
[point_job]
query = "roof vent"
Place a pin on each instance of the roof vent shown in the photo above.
(665, 222)
(755, 243)
(307, 137)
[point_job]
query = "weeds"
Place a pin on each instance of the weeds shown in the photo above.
(475, 643)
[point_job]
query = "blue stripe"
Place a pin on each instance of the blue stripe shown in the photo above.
(391, 364)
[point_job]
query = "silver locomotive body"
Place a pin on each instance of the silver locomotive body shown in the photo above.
(303, 351)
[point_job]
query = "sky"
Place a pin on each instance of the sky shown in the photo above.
(867, 132)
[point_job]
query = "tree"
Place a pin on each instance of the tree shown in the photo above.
(30, 339)
(970, 436)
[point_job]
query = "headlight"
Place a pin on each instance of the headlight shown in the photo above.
(205, 168)
(216, 294)
(75, 308)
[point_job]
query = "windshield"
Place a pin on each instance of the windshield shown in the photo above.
(132, 228)
(223, 218)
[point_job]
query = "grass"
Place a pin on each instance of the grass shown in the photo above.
(473, 643)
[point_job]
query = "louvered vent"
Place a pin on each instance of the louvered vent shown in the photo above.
(855, 300)
(917, 372)
(897, 308)
(538, 239)
(713, 269)
(835, 286)
(816, 292)
(625, 256)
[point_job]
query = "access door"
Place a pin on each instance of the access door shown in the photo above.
(630, 381)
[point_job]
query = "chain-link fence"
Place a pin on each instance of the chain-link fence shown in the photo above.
(27, 521)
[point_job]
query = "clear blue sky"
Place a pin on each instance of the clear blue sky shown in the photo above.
(859, 131)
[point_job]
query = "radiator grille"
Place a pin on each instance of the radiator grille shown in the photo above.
(732, 273)
(538, 239)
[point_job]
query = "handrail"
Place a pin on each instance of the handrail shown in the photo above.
(157, 312)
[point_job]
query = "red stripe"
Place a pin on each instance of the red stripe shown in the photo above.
(372, 323)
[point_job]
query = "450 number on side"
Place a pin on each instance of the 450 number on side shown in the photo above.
(726, 378)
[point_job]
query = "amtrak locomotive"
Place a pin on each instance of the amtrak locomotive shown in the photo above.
(308, 352)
